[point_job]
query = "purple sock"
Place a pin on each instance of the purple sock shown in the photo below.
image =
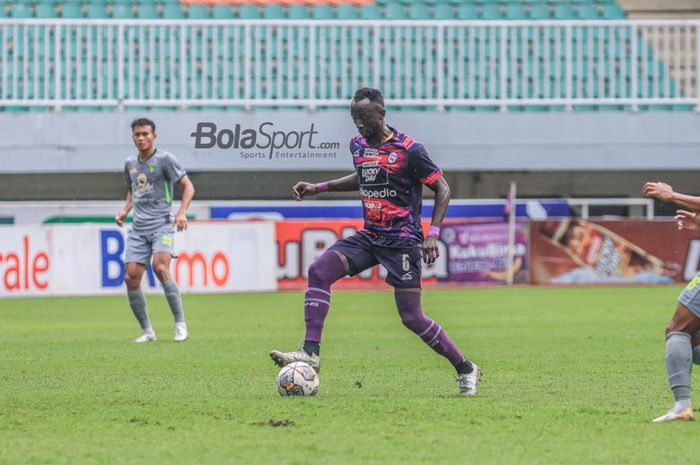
(408, 304)
(322, 273)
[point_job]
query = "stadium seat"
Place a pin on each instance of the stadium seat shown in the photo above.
(147, 11)
(71, 10)
(346, 11)
(249, 12)
(298, 12)
(370, 12)
(173, 11)
(515, 11)
(539, 11)
(94, 11)
(443, 11)
(121, 11)
(198, 12)
(613, 11)
(467, 11)
(20, 10)
(222, 12)
(564, 11)
(322, 11)
(588, 12)
(395, 11)
(418, 11)
(46, 10)
(491, 11)
(273, 12)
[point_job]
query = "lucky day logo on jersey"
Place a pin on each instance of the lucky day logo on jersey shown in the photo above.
(265, 141)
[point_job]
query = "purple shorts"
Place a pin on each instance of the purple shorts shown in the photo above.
(402, 263)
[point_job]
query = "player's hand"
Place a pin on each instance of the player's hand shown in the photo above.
(658, 190)
(120, 218)
(180, 221)
(430, 250)
(687, 220)
(302, 189)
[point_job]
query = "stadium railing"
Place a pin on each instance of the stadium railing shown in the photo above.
(511, 65)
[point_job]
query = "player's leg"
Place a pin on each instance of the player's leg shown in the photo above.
(138, 252)
(347, 256)
(679, 356)
(404, 274)
(695, 342)
(163, 251)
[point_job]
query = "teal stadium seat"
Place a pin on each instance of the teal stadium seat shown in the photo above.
(298, 12)
(95, 11)
(322, 11)
(395, 11)
(491, 11)
(273, 12)
(564, 11)
(147, 11)
(173, 11)
(588, 12)
(20, 10)
(443, 11)
(71, 10)
(121, 11)
(418, 11)
(467, 11)
(249, 12)
(346, 11)
(539, 11)
(370, 12)
(222, 12)
(613, 11)
(515, 11)
(198, 12)
(45, 10)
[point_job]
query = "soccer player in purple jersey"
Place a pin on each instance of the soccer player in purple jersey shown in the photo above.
(390, 171)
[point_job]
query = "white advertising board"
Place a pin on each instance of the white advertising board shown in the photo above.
(89, 259)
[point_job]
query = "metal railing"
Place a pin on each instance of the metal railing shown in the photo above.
(184, 63)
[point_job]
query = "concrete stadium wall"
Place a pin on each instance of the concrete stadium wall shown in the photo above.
(46, 156)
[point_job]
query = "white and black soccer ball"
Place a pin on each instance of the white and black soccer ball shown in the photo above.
(297, 379)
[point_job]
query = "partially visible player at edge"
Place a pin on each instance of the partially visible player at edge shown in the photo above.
(391, 169)
(683, 332)
(150, 176)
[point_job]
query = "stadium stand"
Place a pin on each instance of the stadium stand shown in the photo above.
(540, 62)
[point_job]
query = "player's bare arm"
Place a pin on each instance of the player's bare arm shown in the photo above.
(442, 200)
(187, 196)
(344, 184)
(665, 193)
(121, 216)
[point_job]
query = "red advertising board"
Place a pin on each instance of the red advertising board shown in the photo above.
(299, 243)
(575, 251)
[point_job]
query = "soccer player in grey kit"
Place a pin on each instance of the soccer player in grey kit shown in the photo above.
(390, 172)
(683, 331)
(149, 176)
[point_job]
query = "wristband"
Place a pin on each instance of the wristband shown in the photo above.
(434, 231)
(321, 187)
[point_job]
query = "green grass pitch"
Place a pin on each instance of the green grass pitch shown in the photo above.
(571, 376)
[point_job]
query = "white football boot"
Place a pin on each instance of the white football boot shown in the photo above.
(469, 381)
(285, 358)
(685, 415)
(147, 335)
(181, 333)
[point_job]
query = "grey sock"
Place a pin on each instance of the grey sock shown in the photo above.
(138, 305)
(679, 356)
(172, 294)
(696, 355)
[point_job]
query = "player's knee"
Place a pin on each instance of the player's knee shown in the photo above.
(316, 273)
(131, 281)
(162, 272)
(412, 320)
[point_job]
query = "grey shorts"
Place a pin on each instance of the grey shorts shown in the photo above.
(140, 246)
(689, 296)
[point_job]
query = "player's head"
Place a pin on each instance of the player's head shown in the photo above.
(143, 132)
(367, 111)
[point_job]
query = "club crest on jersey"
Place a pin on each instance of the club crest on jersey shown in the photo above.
(152, 167)
(392, 158)
(356, 153)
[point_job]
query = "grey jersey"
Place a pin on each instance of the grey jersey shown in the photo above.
(151, 184)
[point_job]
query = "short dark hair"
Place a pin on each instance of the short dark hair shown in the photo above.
(143, 122)
(374, 95)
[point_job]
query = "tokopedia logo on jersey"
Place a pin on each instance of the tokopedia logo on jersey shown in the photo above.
(264, 141)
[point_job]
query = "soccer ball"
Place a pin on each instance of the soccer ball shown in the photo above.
(297, 379)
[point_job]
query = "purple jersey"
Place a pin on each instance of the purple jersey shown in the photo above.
(391, 178)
